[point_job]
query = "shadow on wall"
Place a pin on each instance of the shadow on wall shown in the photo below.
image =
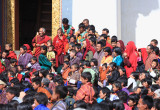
(129, 15)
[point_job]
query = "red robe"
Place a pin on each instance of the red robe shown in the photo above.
(144, 54)
(59, 46)
(28, 49)
(2, 68)
(132, 56)
(88, 48)
(39, 40)
(11, 55)
(108, 45)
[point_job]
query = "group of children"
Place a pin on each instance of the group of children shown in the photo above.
(82, 71)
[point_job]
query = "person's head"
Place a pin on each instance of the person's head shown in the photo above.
(135, 75)
(49, 43)
(84, 44)
(112, 66)
(40, 98)
(35, 74)
(86, 22)
(116, 86)
(67, 57)
(147, 82)
(156, 51)
(107, 51)
(14, 81)
(29, 98)
(92, 31)
(153, 88)
(94, 62)
(45, 82)
(58, 80)
(104, 93)
(144, 75)
(117, 51)
(86, 77)
(2, 84)
(24, 106)
(86, 64)
(123, 81)
(90, 35)
(133, 100)
(123, 96)
(74, 67)
(50, 48)
(121, 70)
(8, 47)
(78, 47)
(50, 76)
(72, 53)
(92, 41)
(5, 54)
(145, 103)
(65, 64)
(10, 73)
(154, 64)
(60, 92)
(114, 41)
(13, 61)
(43, 73)
(23, 49)
(65, 22)
(80, 104)
(154, 42)
(14, 103)
(12, 92)
(42, 31)
(33, 59)
(118, 105)
(105, 31)
(150, 49)
(81, 27)
(103, 36)
(73, 39)
(59, 32)
(104, 66)
(99, 46)
(141, 91)
(156, 105)
(36, 83)
(43, 49)
(71, 45)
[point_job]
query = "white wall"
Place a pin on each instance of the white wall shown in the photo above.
(101, 13)
(140, 21)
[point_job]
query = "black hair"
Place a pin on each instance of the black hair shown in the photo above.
(72, 44)
(76, 66)
(95, 61)
(44, 72)
(123, 80)
(92, 27)
(51, 75)
(157, 104)
(70, 90)
(26, 84)
(114, 39)
(67, 56)
(24, 47)
(6, 107)
(80, 104)
(106, 91)
(62, 91)
(118, 84)
(6, 51)
(36, 73)
(11, 72)
(37, 81)
(154, 87)
(87, 63)
(66, 62)
(108, 49)
(155, 41)
(14, 81)
(24, 106)
(44, 47)
(14, 103)
(123, 96)
(93, 31)
(86, 20)
(59, 80)
(34, 58)
(65, 21)
(93, 39)
(105, 65)
(105, 29)
(10, 45)
(91, 35)
(156, 50)
(73, 51)
(155, 60)
(103, 42)
(118, 105)
(81, 25)
(148, 101)
(113, 65)
(13, 90)
(12, 60)
(148, 80)
(41, 98)
(87, 75)
(78, 46)
(122, 68)
(29, 98)
(134, 98)
(144, 91)
(104, 35)
(151, 47)
(73, 37)
(147, 75)
(118, 51)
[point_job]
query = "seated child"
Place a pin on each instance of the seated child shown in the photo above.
(34, 64)
(4, 58)
(73, 58)
(116, 86)
(50, 53)
(50, 76)
(78, 50)
(103, 71)
(94, 65)
(71, 46)
(65, 71)
(104, 94)
(12, 66)
(133, 101)
(154, 66)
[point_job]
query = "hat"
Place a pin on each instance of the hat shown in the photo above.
(45, 81)
(2, 82)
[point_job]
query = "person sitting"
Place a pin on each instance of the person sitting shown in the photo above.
(34, 64)
(65, 70)
(107, 58)
(11, 54)
(117, 56)
(73, 58)
(12, 66)
(78, 51)
(5, 60)
(50, 53)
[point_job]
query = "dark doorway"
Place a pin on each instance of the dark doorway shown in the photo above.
(33, 14)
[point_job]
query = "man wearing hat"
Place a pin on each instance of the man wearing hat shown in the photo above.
(3, 99)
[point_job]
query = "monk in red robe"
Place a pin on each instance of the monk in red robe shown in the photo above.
(12, 54)
(60, 44)
(38, 41)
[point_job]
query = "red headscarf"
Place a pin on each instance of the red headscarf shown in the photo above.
(88, 48)
(122, 45)
(132, 56)
(144, 54)
(28, 48)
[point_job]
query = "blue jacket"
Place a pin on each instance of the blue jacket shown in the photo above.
(41, 107)
(118, 60)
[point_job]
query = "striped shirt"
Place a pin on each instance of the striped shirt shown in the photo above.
(59, 105)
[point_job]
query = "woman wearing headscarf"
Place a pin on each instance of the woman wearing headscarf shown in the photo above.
(130, 58)
(28, 48)
(120, 44)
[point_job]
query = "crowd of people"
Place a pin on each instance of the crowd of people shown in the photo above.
(80, 70)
